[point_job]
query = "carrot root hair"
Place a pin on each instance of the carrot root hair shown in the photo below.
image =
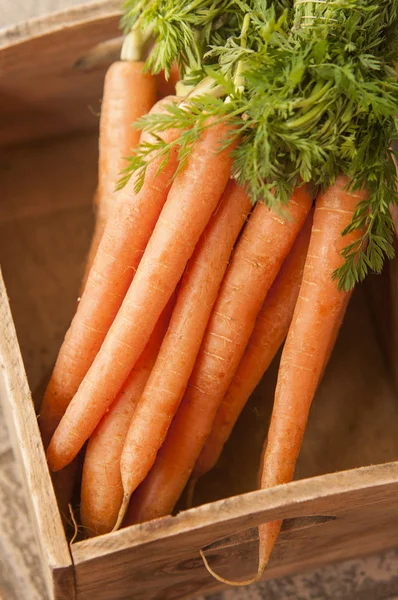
(268, 534)
(74, 522)
(122, 511)
(190, 492)
(263, 561)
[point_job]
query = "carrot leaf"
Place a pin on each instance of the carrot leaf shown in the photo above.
(311, 89)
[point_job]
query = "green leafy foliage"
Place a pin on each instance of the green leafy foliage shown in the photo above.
(311, 91)
(182, 29)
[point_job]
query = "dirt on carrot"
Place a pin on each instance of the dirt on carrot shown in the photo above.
(129, 93)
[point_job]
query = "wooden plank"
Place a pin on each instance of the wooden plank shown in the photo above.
(13, 13)
(19, 411)
(20, 565)
(41, 93)
(160, 559)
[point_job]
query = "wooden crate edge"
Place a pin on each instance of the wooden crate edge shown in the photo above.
(41, 26)
(29, 452)
(292, 500)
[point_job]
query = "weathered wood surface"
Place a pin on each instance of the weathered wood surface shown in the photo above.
(357, 509)
(15, 12)
(41, 93)
(24, 433)
(21, 575)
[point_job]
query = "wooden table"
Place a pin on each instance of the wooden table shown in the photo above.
(374, 578)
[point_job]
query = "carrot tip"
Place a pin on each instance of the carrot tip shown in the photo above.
(255, 579)
(122, 511)
(75, 528)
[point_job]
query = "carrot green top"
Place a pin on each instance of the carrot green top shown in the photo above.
(310, 86)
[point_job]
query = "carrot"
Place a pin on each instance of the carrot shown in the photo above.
(332, 342)
(102, 490)
(177, 356)
(264, 244)
(167, 87)
(270, 330)
(192, 199)
(129, 93)
(318, 310)
(122, 245)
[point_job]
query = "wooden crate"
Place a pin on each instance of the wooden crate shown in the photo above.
(336, 510)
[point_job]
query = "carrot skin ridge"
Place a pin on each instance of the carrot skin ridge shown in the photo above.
(262, 247)
(124, 240)
(173, 241)
(272, 325)
(129, 93)
(320, 308)
(176, 359)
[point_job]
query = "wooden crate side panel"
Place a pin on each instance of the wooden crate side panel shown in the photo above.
(28, 449)
(160, 560)
(41, 93)
(382, 295)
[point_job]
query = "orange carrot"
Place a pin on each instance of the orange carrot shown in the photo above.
(333, 338)
(307, 346)
(167, 87)
(124, 240)
(264, 244)
(129, 93)
(270, 330)
(192, 199)
(102, 490)
(180, 347)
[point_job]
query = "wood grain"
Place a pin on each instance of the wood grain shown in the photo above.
(163, 555)
(45, 225)
(41, 93)
(24, 431)
(20, 565)
(21, 14)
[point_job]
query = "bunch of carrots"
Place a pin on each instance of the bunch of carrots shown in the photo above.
(190, 291)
